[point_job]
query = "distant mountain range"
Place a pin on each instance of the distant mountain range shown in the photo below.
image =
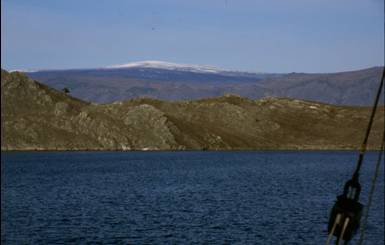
(37, 117)
(169, 81)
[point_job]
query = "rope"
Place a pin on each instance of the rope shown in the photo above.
(370, 197)
(363, 146)
(358, 167)
(336, 222)
(343, 230)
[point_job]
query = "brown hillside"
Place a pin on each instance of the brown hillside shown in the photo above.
(34, 116)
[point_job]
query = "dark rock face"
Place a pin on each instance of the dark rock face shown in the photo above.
(109, 85)
(36, 117)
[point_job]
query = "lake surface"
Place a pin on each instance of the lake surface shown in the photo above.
(178, 197)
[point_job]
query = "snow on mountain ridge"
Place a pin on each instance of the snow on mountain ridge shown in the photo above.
(168, 66)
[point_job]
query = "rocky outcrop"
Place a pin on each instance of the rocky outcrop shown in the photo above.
(36, 117)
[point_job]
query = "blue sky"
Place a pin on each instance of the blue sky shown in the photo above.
(247, 35)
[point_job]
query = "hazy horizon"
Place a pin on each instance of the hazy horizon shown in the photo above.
(114, 66)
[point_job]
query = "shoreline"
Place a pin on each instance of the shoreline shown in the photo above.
(191, 150)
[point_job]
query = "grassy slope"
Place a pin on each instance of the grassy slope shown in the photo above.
(34, 116)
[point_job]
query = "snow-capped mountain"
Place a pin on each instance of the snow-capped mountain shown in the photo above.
(165, 80)
(168, 66)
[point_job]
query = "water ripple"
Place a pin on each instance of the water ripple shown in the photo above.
(177, 197)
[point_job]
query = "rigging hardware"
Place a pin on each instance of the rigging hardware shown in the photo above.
(346, 213)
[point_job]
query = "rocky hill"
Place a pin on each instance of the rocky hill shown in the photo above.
(36, 117)
(175, 82)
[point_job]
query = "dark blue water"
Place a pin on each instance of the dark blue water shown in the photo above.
(178, 197)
